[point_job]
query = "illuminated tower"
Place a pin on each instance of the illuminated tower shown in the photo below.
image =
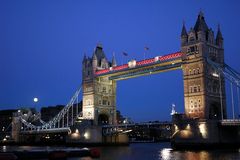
(204, 89)
(99, 94)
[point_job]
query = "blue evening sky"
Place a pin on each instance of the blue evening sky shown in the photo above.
(42, 43)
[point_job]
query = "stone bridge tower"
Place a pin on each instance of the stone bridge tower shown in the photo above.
(204, 88)
(99, 93)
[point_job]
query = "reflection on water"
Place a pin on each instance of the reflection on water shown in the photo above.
(165, 154)
(143, 151)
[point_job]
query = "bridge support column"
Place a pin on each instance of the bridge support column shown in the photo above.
(16, 127)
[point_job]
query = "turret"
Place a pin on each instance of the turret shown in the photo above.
(114, 62)
(201, 27)
(184, 35)
(84, 58)
(210, 37)
(94, 61)
(219, 38)
(191, 35)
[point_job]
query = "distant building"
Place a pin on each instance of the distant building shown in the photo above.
(47, 113)
(5, 122)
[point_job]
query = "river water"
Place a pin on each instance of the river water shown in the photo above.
(144, 151)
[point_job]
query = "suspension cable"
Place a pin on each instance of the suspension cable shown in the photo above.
(233, 114)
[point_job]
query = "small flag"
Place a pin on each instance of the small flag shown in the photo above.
(146, 48)
(125, 54)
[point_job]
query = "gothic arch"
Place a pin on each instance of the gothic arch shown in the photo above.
(103, 119)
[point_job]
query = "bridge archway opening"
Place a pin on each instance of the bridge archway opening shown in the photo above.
(150, 97)
(103, 119)
(214, 111)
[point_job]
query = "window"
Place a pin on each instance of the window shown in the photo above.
(192, 49)
(198, 71)
(191, 39)
(99, 102)
(104, 102)
(199, 88)
(104, 89)
(88, 102)
(190, 71)
(190, 89)
(195, 89)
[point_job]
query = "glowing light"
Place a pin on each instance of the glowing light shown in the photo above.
(132, 64)
(127, 131)
(4, 148)
(176, 127)
(86, 135)
(215, 74)
(35, 99)
(203, 130)
(76, 134)
(4, 139)
(188, 127)
(76, 131)
(47, 137)
(165, 154)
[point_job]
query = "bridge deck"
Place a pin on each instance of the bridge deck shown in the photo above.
(230, 122)
(53, 130)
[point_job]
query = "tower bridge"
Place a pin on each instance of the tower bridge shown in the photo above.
(204, 71)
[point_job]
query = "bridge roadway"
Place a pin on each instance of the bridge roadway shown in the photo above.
(230, 122)
(105, 127)
(144, 67)
(52, 130)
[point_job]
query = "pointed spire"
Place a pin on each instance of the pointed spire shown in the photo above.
(219, 33)
(184, 31)
(84, 58)
(114, 62)
(94, 56)
(200, 24)
(98, 52)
